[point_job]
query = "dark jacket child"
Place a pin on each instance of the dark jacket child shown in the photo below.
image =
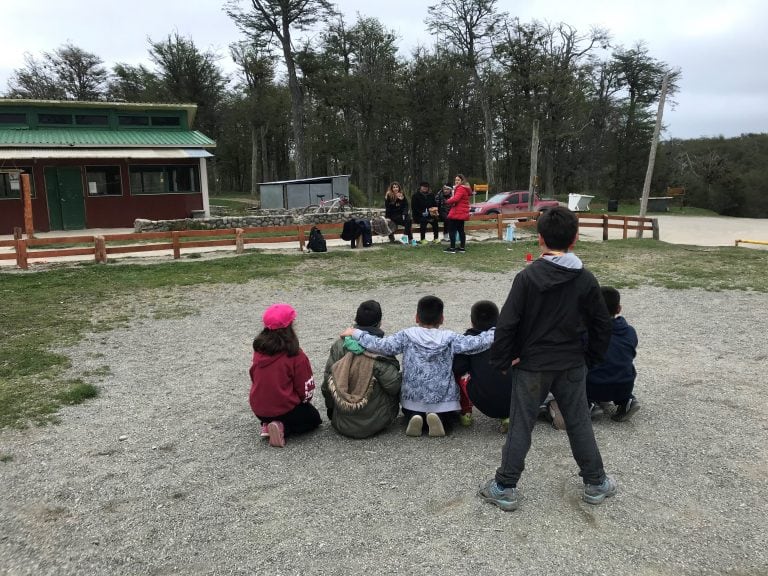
(613, 380)
(429, 395)
(443, 208)
(424, 211)
(361, 389)
(539, 338)
(396, 209)
(281, 379)
(487, 388)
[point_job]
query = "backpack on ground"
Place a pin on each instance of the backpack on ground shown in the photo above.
(365, 231)
(316, 242)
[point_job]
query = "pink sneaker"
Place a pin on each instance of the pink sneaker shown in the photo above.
(264, 431)
(276, 434)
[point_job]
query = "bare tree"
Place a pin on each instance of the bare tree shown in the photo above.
(469, 27)
(274, 21)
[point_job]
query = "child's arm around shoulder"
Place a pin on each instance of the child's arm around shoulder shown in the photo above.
(466, 344)
(389, 345)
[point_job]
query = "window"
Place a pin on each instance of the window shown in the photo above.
(13, 118)
(10, 183)
(166, 121)
(91, 119)
(54, 118)
(524, 198)
(164, 179)
(103, 181)
(133, 120)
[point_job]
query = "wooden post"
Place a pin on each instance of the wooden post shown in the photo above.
(16, 233)
(176, 245)
(624, 230)
(534, 165)
(652, 155)
(239, 241)
(605, 227)
(499, 226)
(26, 193)
(655, 226)
(21, 254)
(300, 232)
(100, 250)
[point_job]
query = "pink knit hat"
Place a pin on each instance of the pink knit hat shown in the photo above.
(278, 316)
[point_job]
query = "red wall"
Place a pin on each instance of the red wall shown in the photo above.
(101, 211)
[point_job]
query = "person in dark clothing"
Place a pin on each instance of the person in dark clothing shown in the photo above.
(396, 209)
(443, 208)
(539, 337)
(613, 380)
(424, 211)
(487, 388)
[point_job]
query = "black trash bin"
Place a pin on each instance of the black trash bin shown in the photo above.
(613, 205)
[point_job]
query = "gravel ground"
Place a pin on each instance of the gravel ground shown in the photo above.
(165, 473)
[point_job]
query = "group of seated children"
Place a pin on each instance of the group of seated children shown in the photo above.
(444, 374)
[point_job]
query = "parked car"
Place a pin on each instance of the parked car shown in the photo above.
(509, 202)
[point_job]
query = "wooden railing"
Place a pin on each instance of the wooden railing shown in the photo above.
(99, 246)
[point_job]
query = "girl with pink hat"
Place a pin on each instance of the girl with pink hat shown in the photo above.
(282, 384)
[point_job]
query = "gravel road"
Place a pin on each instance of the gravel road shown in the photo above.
(165, 473)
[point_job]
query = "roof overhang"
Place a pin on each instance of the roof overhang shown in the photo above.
(101, 153)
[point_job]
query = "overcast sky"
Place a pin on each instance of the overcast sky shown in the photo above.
(720, 46)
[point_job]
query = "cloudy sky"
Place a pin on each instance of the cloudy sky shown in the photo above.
(721, 47)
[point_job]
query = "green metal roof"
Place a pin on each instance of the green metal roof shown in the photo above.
(79, 137)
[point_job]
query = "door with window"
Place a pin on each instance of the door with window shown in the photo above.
(66, 205)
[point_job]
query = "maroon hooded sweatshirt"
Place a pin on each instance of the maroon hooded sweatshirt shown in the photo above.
(280, 383)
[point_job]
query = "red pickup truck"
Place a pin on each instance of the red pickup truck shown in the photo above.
(509, 202)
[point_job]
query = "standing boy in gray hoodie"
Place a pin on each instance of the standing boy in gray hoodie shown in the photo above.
(429, 394)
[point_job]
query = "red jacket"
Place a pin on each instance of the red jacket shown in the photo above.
(459, 203)
(280, 383)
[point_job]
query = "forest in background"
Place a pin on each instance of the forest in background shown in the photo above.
(343, 101)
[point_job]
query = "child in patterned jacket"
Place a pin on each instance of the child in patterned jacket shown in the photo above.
(429, 395)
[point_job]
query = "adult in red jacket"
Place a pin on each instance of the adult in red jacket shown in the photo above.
(458, 214)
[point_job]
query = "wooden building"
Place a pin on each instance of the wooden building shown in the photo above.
(100, 164)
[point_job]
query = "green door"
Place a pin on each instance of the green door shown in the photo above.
(66, 206)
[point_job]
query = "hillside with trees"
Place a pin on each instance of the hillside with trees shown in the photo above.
(346, 102)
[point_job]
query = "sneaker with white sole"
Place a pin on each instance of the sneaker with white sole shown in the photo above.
(465, 419)
(504, 425)
(435, 425)
(276, 434)
(415, 426)
(264, 431)
(507, 499)
(414, 243)
(596, 493)
(595, 410)
(626, 410)
(450, 250)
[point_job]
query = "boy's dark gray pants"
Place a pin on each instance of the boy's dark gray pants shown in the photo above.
(568, 388)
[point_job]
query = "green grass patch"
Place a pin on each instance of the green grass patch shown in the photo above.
(44, 311)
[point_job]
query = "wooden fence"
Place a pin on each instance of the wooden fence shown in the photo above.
(100, 247)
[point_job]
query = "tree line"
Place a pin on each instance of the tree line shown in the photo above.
(344, 102)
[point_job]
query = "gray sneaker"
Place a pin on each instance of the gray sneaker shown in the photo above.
(596, 493)
(505, 498)
(415, 425)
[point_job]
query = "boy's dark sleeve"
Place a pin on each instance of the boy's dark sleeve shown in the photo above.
(599, 326)
(503, 349)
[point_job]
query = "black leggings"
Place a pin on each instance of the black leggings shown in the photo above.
(405, 222)
(303, 418)
(423, 227)
(453, 227)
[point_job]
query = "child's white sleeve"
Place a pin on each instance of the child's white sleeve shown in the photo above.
(464, 344)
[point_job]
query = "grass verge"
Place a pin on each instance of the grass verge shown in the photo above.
(43, 311)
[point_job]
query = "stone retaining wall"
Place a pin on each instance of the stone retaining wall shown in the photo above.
(265, 217)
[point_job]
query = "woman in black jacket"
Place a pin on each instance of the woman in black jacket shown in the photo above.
(396, 209)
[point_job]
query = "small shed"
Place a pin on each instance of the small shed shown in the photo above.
(302, 192)
(100, 164)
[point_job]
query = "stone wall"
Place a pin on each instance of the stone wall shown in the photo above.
(265, 217)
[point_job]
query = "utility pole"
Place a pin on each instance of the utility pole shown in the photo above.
(652, 155)
(534, 165)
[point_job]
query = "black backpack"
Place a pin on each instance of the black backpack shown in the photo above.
(316, 242)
